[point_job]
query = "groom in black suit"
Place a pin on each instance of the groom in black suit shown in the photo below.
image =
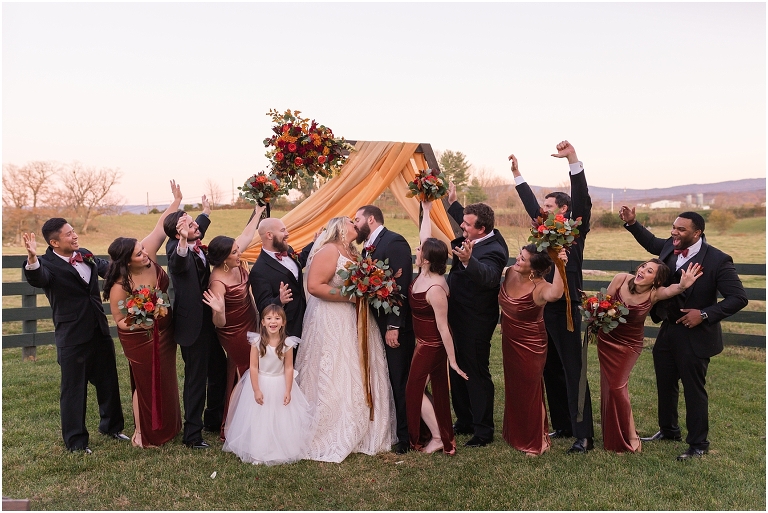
(479, 258)
(204, 360)
(380, 243)
(690, 324)
(85, 351)
(276, 277)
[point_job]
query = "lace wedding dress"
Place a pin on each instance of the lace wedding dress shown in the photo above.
(330, 377)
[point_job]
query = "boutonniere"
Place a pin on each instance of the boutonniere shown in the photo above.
(370, 249)
(294, 257)
(88, 257)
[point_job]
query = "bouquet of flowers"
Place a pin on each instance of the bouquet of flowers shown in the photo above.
(551, 232)
(301, 149)
(261, 188)
(429, 185)
(601, 311)
(374, 281)
(144, 306)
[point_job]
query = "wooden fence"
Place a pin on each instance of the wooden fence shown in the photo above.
(29, 312)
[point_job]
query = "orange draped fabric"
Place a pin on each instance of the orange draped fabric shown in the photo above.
(369, 170)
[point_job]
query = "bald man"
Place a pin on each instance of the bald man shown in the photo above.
(276, 277)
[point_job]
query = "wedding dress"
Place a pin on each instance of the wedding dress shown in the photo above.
(330, 377)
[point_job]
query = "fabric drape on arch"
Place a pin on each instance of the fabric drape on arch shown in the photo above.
(374, 166)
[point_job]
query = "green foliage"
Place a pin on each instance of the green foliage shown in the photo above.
(154, 211)
(456, 168)
(609, 220)
(475, 193)
(721, 220)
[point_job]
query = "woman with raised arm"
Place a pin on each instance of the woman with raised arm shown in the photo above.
(428, 296)
(524, 347)
(150, 349)
(329, 363)
(619, 349)
(230, 299)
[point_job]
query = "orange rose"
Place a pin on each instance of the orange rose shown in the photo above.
(559, 218)
(149, 306)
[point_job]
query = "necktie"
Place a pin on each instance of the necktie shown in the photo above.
(77, 257)
(280, 255)
(683, 252)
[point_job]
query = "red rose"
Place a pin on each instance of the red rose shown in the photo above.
(384, 293)
(144, 291)
(375, 281)
(149, 306)
(362, 287)
(605, 304)
(298, 161)
(541, 228)
(279, 156)
(292, 147)
(130, 303)
(286, 128)
(559, 218)
(321, 159)
(281, 144)
(592, 300)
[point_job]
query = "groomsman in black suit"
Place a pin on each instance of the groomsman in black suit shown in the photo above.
(563, 367)
(690, 325)
(205, 363)
(85, 351)
(479, 257)
(380, 243)
(276, 277)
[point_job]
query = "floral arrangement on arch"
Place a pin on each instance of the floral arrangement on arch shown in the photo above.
(428, 185)
(261, 188)
(374, 281)
(145, 305)
(303, 149)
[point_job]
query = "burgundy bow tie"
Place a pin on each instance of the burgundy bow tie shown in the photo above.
(198, 246)
(280, 255)
(77, 257)
(683, 252)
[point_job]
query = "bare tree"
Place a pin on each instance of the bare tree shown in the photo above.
(15, 198)
(214, 192)
(88, 191)
(40, 176)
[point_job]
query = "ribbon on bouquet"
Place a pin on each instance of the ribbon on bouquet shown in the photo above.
(553, 251)
(362, 338)
(583, 377)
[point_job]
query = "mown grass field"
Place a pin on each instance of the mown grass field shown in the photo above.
(497, 477)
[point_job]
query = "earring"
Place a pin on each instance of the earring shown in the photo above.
(226, 267)
(530, 277)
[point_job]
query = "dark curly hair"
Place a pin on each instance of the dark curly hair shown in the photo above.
(485, 216)
(120, 252)
(219, 249)
(540, 261)
(436, 253)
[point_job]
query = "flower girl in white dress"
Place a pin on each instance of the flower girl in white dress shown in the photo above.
(269, 417)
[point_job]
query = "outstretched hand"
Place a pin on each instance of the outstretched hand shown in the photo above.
(176, 191)
(565, 150)
(182, 226)
(452, 193)
(214, 300)
(689, 276)
(515, 169)
(627, 215)
(31, 245)
(286, 296)
(206, 205)
(464, 252)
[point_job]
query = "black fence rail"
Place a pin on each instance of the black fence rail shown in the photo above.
(30, 313)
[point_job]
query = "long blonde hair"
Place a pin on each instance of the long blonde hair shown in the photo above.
(335, 231)
(264, 341)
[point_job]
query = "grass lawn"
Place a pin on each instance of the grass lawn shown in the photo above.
(496, 477)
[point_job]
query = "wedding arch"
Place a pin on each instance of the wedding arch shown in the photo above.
(373, 167)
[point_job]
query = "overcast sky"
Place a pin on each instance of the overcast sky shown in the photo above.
(650, 95)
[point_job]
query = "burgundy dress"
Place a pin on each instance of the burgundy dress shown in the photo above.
(241, 318)
(429, 363)
(618, 351)
(154, 386)
(524, 353)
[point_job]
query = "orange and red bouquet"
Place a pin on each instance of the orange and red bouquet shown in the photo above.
(262, 188)
(555, 231)
(601, 311)
(373, 280)
(144, 306)
(429, 185)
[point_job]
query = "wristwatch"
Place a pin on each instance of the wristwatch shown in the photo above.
(704, 315)
(390, 327)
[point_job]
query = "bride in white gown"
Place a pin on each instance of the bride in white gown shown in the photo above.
(328, 364)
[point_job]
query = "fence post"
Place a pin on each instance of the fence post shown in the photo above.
(28, 326)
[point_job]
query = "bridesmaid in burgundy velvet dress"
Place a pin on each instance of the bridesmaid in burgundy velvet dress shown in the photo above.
(230, 299)
(150, 350)
(428, 297)
(619, 349)
(524, 348)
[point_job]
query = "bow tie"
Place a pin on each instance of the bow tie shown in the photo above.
(198, 246)
(77, 257)
(280, 255)
(683, 252)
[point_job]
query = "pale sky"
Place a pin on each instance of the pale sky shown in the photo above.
(650, 95)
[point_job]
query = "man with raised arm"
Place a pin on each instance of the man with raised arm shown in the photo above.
(690, 324)
(563, 367)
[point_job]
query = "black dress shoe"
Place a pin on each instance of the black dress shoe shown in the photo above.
(661, 436)
(560, 433)
(581, 446)
(478, 441)
(200, 444)
(458, 429)
(86, 450)
(117, 436)
(692, 453)
(401, 447)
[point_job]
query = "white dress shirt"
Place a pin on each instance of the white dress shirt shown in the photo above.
(692, 252)
(372, 237)
(286, 262)
(81, 267)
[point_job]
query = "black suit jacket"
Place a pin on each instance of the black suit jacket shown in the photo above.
(190, 278)
(76, 305)
(581, 206)
(474, 300)
(392, 246)
(719, 275)
(265, 277)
